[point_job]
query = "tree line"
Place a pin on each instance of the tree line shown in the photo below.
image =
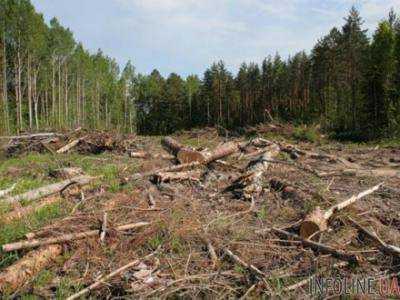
(349, 84)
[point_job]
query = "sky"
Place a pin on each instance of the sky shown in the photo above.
(187, 36)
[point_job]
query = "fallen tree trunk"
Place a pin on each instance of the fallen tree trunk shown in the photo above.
(104, 279)
(31, 264)
(182, 153)
(147, 155)
(66, 173)
(324, 249)
(177, 176)
(219, 153)
(317, 221)
(31, 136)
(65, 238)
(50, 189)
(7, 191)
(70, 145)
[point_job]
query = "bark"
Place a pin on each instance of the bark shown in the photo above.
(29, 78)
(19, 273)
(33, 243)
(5, 91)
(317, 221)
(183, 154)
(50, 189)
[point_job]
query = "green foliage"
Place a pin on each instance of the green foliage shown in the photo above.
(306, 133)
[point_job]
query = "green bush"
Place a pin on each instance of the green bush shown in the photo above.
(306, 134)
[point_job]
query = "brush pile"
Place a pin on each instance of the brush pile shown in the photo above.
(230, 219)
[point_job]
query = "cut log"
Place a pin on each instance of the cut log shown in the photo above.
(50, 189)
(19, 273)
(70, 145)
(177, 176)
(32, 136)
(104, 279)
(103, 228)
(65, 238)
(219, 153)
(7, 191)
(324, 249)
(317, 221)
(183, 154)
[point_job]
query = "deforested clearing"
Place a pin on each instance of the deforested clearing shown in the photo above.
(258, 216)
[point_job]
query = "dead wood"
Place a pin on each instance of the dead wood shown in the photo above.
(182, 153)
(324, 249)
(317, 221)
(250, 183)
(371, 173)
(70, 145)
(65, 238)
(104, 279)
(244, 264)
(139, 154)
(66, 173)
(50, 189)
(31, 264)
(177, 176)
(32, 136)
(103, 228)
(294, 151)
(386, 248)
(7, 191)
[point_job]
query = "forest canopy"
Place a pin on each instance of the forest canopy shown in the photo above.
(349, 84)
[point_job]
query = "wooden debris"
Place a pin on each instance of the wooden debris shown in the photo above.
(65, 238)
(317, 221)
(31, 264)
(183, 154)
(288, 191)
(32, 136)
(7, 191)
(70, 145)
(104, 279)
(103, 228)
(245, 265)
(139, 154)
(177, 176)
(50, 189)
(249, 184)
(386, 248)
(66, 173)
(339, 254)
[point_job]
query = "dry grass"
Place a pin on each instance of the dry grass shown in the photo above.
(192, 214)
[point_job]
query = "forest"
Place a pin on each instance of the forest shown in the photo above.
(349, 84)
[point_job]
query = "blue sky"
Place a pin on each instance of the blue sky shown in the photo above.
(186, 36)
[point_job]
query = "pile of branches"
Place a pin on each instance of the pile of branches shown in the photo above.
(58, 143)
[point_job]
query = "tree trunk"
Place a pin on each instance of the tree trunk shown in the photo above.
(5, 91)
(66, 95)
(29, 78)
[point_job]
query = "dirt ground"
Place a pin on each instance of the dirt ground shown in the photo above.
(194, 226)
